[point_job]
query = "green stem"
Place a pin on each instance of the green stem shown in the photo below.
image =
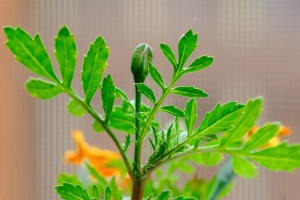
(154, 110)
(137, 154)
(106, 127)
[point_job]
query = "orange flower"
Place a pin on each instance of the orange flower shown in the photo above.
(98, 158)
(283, 131)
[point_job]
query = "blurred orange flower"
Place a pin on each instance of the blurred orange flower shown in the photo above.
(283, 131)
(98, 158)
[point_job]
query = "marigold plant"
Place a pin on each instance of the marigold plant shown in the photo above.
(221, 131)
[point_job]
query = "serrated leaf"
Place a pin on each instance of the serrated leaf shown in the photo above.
(70, 192)
(159, 151)
(164, 195)
(189, 91)
(283, 157)
(108, 193)
(145, 90)
(98, 127)
(94, 65)
(99, 177)
(167, 51)
(221, 118)
(207, 158)
(252, 112)
(171, 109)
(199, 64)
(66, 54)
(243, 167)
(186, 46)
(122, 121)
(190, 115)
(75, 109)
(108, 96)
(262, 136)
(155, 74)
(42, 89)
(30, 52)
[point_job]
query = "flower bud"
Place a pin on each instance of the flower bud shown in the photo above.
(141, 57)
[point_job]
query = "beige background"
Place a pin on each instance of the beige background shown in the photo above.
(256, 45)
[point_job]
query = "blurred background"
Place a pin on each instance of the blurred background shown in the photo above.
(256, 45)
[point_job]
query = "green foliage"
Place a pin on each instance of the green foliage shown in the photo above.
(42, 89)
(108, 96)
(94, 66)
(171, 109)
(190, 113)
(189, 91)
(75, 108)
(30, 52)
(145, 90)
(167, 51)
(66, 55)
(221, 118)
(67, 178)
(252, 112)
(182, 147)
(155, 74)
(243, 167)
(187, 44)
(68, 191)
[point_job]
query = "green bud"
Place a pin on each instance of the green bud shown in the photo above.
(141, 57)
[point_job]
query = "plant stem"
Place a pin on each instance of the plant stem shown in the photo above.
(138, 189)
(137, 155)
(106, 127)
(156, 106)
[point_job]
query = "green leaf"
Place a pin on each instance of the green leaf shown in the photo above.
(68, 178)
(262, 136)
(243, 167)
(95, 192)
(252, 112)
(122, 121)
(184, 198)
(199, 64)
(69, 192)
(149, 197)
(98, 127)
(30, 52)
(145, 90)
(189, 91)
(186, 46)
(221, 118)
(94, 65)
(156, 76)
(171, 109)
(127, 142)
(120, 94)
(100, 178)
(108, 193)
(167, 51)
(75, 108)
(108, 96)
(164, 195)
(282, 157)
(190, 115)
(207, 158)
(66, 55)
(42, 89)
